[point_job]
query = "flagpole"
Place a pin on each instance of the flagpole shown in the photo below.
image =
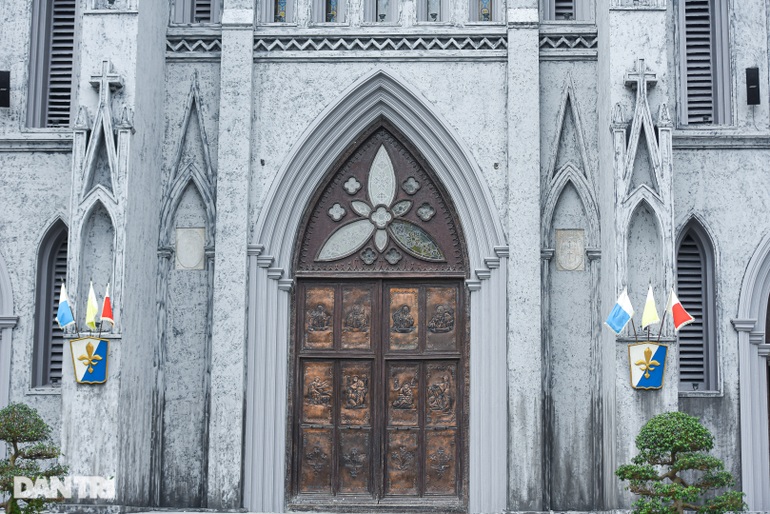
(660, 332)
(633, 325)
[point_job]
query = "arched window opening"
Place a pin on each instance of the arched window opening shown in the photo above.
(695, 288)
(49, 338)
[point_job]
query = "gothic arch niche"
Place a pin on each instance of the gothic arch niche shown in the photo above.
(644, 253)
(97, 250)
(380, 386)
(570, 427)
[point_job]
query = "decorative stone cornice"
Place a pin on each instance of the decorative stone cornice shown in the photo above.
(547, 254)
(255, 250)
(743, 325)
(8, 321)
(48, 141)
(593, 254)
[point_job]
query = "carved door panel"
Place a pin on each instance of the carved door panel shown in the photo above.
(380, 392)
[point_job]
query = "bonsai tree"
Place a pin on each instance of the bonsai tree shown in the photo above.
(27, 437)
(674, 471)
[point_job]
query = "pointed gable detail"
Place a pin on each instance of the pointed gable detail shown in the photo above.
(569, 146)
(100, 166)
(192, 164)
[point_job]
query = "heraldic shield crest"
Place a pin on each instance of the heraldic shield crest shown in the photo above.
(89, 359)
(648, 365)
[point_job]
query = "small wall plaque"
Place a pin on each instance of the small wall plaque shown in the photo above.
(570, 250)
(190, 244)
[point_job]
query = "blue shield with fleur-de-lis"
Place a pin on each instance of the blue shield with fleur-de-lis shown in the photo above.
(648, 364)
(89, 359)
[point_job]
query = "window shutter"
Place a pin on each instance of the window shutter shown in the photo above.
(57, 336)
(690, 274)
(564, 9)
(62, 43)
(202, 12)
(699, 61)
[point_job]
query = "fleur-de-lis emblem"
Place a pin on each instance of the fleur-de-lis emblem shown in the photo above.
(380, 218)
(647, 364)
(90, 360)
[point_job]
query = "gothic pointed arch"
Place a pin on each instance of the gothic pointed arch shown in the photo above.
(390, 215)
(375, 96)
(48, 354)
(7, 322)
(696, 289)
(753, 356)
(569, 175)
(569, 146)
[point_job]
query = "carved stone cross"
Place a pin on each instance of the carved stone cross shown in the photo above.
(108, 80)
(640, 78)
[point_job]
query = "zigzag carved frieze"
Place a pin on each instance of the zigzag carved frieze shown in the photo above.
(180, 45)
(379, 43)
(569, 42)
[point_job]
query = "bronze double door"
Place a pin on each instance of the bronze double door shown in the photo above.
(379, 395)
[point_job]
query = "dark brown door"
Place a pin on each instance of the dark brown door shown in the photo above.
(379, 393)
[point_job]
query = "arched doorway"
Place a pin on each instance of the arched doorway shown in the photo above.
(753, 357)
(374, 96)
(380, 340)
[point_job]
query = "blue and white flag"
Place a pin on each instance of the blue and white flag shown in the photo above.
(89, 358)
(648, 365)
(64, 314)
(621, 314)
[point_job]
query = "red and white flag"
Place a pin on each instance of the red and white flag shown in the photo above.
(107, 307)
(679, 316)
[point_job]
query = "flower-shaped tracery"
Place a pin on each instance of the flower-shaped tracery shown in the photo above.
(380, 218)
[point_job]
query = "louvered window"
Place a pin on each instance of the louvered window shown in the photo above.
(697, 360)
(49, 338)
(197, 11)
(51, 63)
(568, 10)
(704, 62)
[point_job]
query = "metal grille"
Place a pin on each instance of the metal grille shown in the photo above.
(56, 352)
(691, 289)
(699, 60)
(62, 41)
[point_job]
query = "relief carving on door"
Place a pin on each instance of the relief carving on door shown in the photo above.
(381, 340)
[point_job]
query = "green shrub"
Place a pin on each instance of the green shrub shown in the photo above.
(674, 446)
(28, 439)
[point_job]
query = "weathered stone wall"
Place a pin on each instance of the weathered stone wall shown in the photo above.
(470, 103)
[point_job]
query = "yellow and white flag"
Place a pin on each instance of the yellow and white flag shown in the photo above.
(650, 314)
(91, 308)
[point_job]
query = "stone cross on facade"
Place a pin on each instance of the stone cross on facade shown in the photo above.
(107, 81)
(639, 79)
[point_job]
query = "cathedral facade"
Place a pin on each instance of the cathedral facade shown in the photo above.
(360, 252)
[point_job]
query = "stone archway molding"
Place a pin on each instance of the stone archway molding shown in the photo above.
(7, 322)
(753, 352)
(374, 96)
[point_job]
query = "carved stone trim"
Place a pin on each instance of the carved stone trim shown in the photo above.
(194, 46)
(34, 142)
(638, 5)
(381, 43)
(569, 45)
(743, 325)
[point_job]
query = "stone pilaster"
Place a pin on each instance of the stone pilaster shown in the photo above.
(524, 374)
(230, 270)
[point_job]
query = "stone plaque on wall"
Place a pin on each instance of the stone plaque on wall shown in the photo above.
(570, 250)
(190, 248)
